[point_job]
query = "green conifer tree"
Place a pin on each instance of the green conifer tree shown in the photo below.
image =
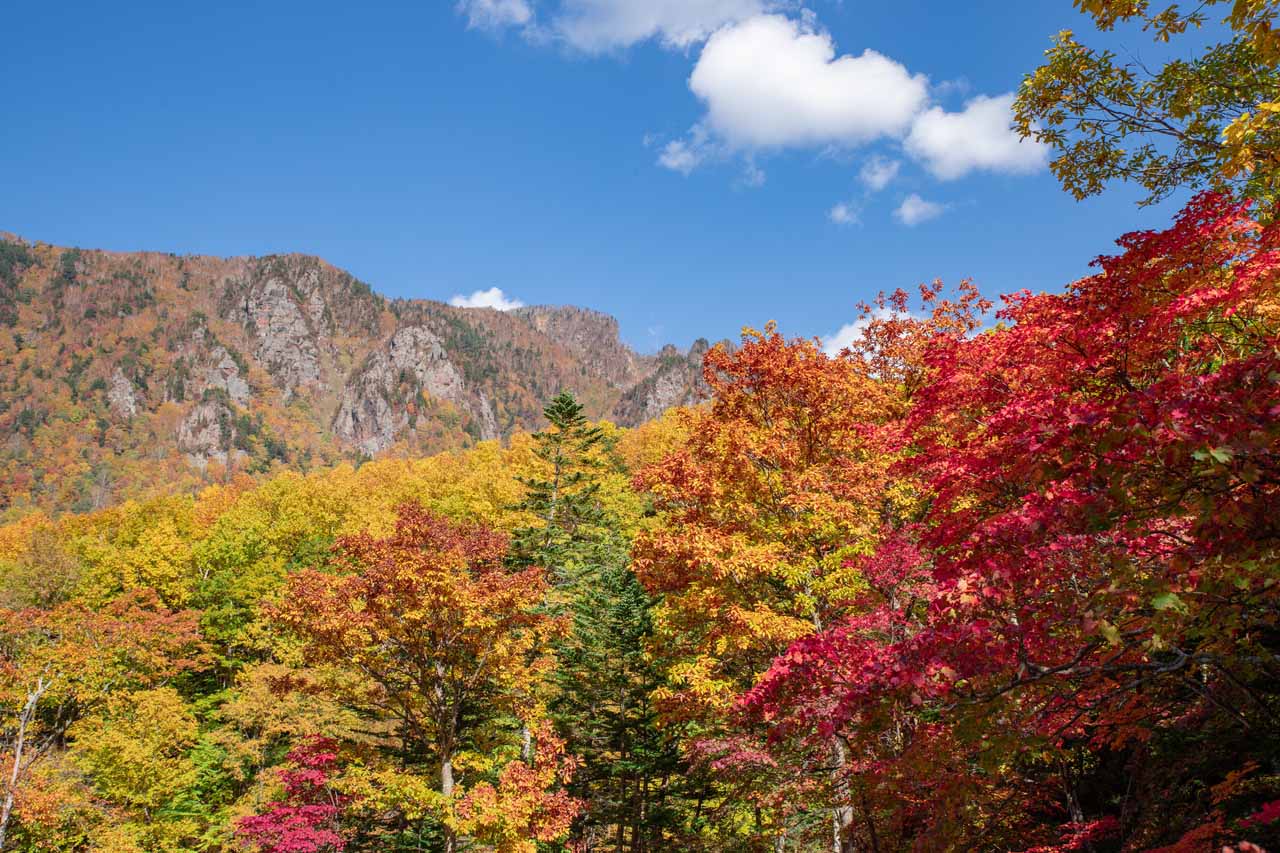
(601, 691)
(566, 501)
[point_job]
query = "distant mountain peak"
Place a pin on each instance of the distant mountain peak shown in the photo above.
(121, 366)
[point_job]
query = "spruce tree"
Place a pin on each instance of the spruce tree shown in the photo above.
(566, 500)
(604, 679)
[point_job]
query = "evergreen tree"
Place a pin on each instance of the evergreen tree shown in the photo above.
(566, 501)
(604, 682)
(603, 679)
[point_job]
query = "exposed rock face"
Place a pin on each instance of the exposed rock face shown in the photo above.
(413, 361)
(488, 420)
(120, 396)
(205, 433)
(286, 344)
(223, 372)
(675, 381)
(591, 336)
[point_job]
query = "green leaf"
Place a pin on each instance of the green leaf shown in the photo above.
(1169, 601)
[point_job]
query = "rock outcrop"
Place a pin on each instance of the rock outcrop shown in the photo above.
(205, 434)
(285, 343)
(374, 409)
(593, 337)
(121, 398)
(223, 372)
(675, 380)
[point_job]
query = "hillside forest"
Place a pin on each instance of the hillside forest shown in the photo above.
(1002, 575)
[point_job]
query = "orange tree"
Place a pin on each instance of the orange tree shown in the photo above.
(779, 485)
(428, 634)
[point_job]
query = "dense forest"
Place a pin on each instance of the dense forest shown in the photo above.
(994, 577)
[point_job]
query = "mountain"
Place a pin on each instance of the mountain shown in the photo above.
(123, 373)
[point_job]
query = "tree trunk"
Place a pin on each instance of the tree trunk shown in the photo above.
(5, 811)
(446, 788)
(842, 814)
(19, 745)
(448, 725)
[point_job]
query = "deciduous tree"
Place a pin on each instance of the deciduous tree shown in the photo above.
(427, 630)
(1208, 121)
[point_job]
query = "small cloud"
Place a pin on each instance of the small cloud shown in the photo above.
(679, 156)
(844, 214)
(601, 26)
(752, 175)
(959, 86)
(495, 14)
(833, 344)
(878, 172)
(979, 137)
(685, 155)
(492, 298)
(915, 210)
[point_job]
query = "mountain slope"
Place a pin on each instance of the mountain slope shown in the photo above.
(123, 373)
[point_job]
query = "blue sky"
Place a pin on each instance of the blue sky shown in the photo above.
(436, 149)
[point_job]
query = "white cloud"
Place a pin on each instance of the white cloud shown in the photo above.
(773, 82)
(844, 213)
(680, 156)
(878, 172)
(752, 175)
(494, 14)
(770, 79)
(915, 210)
(492, 298)
(979, 137)
(597, 26)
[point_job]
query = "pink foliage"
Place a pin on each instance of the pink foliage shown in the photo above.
(307, 822)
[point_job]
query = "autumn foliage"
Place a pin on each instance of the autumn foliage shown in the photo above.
(981, 581)
(306, 821)
(1092, 580)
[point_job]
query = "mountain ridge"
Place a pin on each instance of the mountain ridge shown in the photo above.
(124, 368)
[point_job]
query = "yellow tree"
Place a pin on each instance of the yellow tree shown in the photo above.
(134, 752)
(57, 666)
(1208, 119)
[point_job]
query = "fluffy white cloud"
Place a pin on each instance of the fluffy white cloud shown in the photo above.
(844, 214)
(915, 210)
(978, 137)
(601, 25)
(774, 82)
(494, 14)
(878, 172)
(492, 298)
(850, 332)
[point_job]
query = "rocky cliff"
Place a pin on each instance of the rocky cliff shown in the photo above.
(118, 370)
